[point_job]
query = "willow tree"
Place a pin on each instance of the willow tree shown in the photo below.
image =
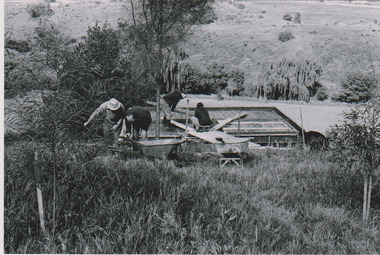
(357, 146)
(159, 27)
(290, 80)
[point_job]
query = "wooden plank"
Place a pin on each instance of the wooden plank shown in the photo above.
(175, 110)
(212, 135)
(226, 121)
(180, 125)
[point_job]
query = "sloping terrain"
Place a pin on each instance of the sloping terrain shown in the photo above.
(340, 36)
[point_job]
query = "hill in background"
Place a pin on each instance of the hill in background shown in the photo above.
(342, 37)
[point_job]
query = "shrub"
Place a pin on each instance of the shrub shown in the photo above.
(357, 87)
(209, 16)
(322, 94)
(20, 46)
(356, 146)
(285, 36)
(214, 79)
(289, 80)
(297, 18)
(38, 10)
(287, 17)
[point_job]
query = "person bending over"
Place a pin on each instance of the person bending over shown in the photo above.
(168, 104)
(114, 113)
(136, 119)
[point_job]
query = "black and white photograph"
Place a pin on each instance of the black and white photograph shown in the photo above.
(191, 127)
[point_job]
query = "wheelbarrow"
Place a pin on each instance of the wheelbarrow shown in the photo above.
(157, 148)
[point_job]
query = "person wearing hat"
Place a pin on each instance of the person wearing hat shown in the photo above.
(114, 113)
(168, 104)
(136, 119)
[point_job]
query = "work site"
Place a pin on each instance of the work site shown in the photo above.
(191, 127)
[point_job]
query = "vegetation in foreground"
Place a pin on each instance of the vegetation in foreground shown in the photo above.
(279, 202)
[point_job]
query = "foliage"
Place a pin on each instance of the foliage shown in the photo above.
(357, 88)
(289, 80)
(97, 70)
(215, 78)
(297, 18)
(209, 16)
(196, 82)
(357, 145)
(321, 94)
(19, 78)
(40, 9)
(285, 36)
(287, 17)
(20, 46)
(159, 26)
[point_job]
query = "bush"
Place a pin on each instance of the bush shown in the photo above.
(285, 36)
(209, 16)
(38, 10)
(287, 17)
(20, 46)
(216, 78)
(297, 18)
(357, 87)
(321, 94)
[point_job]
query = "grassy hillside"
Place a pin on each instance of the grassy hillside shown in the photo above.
(340, 36)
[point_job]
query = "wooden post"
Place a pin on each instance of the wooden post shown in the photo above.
(365, 198)
(239, 122)
(303, 132)
(369, 196)
(41, 209)
(158, 113)
(39, 197)
(187, 117)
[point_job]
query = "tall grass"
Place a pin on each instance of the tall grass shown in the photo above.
(279, 202)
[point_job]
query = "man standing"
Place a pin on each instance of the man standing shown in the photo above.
(136, 119)
(114, 112)
(168, 104)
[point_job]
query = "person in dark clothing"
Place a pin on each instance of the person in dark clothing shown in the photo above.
(169, 103)
(136, 119)
(201, 117)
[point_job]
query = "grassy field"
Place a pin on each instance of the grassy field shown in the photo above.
(278, 202)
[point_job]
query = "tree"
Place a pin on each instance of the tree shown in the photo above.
(290, 80)
(159, 26)
(357, 87)
(357, 146)
(49, 121)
